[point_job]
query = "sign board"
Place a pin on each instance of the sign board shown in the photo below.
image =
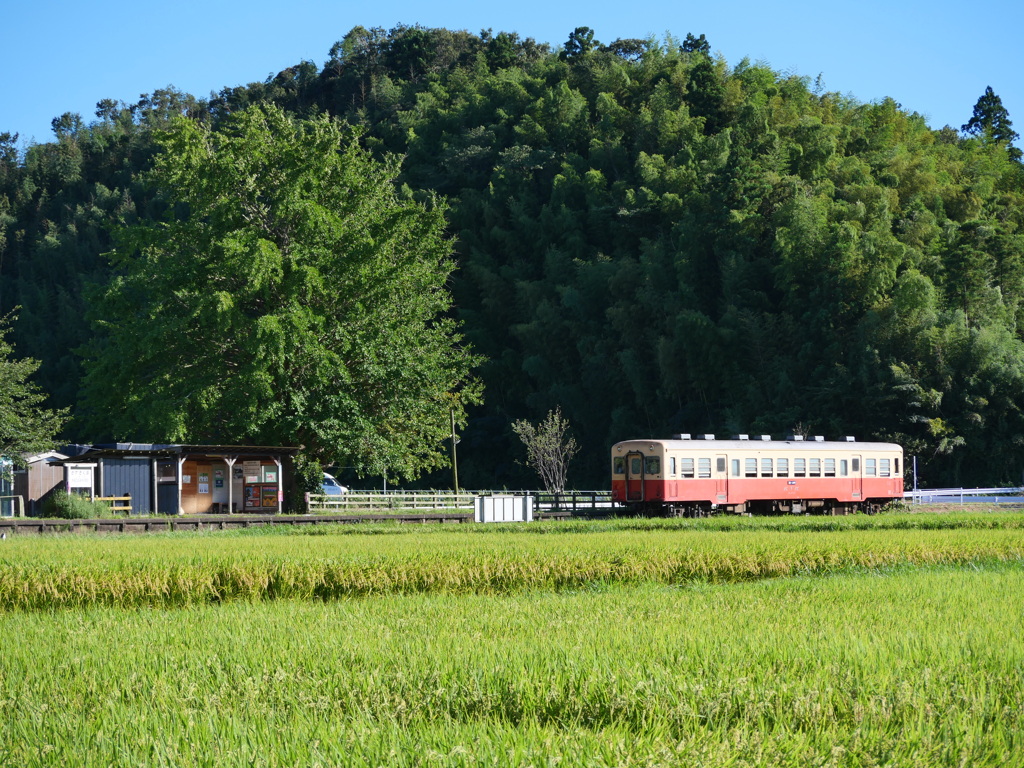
(79, 477)
(251, 470)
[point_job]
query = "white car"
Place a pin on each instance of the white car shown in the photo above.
(332, 487)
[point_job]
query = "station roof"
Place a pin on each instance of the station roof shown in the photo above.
(168, 450)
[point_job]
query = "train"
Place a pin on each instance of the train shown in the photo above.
(697, 476)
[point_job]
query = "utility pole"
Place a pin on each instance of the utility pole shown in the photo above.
(455, 461)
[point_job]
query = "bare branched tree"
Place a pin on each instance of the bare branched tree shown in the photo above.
(548, 448)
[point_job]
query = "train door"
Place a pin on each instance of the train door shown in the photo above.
(634, 476)
(857, 478)
(721, 479)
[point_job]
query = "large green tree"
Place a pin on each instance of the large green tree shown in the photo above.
(991, 120)
(289, 295)
(25, 425)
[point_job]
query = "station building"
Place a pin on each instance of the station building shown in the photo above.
(175, 479)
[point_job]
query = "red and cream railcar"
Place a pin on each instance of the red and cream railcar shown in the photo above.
(697, 476)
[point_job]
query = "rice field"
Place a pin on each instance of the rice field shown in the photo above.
(168, 570)
(603, 645)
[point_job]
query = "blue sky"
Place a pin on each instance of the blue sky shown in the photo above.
(934, 58)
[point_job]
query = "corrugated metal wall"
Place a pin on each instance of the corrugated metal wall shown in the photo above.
(133, 476)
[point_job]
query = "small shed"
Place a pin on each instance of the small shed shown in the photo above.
(38, 478)
(172, 479)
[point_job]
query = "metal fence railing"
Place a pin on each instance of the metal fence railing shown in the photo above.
(574, 501)
(966, 495)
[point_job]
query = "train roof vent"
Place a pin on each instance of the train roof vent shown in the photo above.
(742, 437)
(819, 438)
(681, 437)
(796, 438)
(766, 438)
(850, 439)
(708, 437)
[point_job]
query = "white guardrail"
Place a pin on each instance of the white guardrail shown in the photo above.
(964, 495)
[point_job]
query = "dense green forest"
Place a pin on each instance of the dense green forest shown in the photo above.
(645, 236)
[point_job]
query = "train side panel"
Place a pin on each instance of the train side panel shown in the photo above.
(787, 475)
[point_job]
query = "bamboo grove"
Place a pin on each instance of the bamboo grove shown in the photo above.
(646, 236)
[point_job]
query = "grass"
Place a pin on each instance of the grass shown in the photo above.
(909, 666)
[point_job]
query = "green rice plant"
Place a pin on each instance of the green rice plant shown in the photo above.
(81, 571)
(911, 520)
(902, 666)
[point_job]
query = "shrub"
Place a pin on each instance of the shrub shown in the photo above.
(73, 506)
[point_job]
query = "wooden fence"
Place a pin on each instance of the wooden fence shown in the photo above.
(569, 502)
(389, 501)
(117, 503)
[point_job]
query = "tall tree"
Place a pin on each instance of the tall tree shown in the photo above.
(288, 296)
(696, 45)
(991, 120)
(581, 42)
(25, 425)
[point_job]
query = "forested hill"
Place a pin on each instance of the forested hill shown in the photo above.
(647, 237)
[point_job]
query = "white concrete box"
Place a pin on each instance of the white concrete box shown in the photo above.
(504, 509)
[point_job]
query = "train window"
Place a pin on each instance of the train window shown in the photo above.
(735, 468)
(750, 467)
(653, 465)
(619, 466)
(883, 468)
(766, 467)
(672, 465)
(720, 464)
(799, 467)
(856, 465)
(703, 467)
(782, 468)
(896, 469)
(686, 467)
(844, 468)
(815, 470)
(869, 467)
(636, 466)
(830, 467)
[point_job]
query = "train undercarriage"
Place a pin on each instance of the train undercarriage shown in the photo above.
(758, 507)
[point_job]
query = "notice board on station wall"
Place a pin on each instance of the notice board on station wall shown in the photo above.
(252, 471)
